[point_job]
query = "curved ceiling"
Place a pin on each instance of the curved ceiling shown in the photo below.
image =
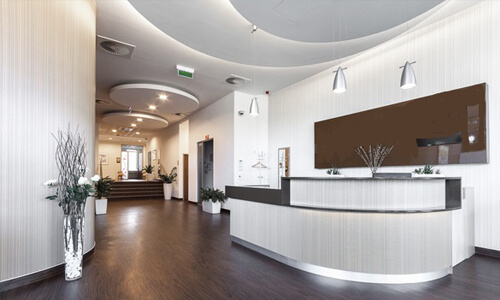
(165, 99)
(319, 21)
(215, 40)
(221, 31)
(133, 121)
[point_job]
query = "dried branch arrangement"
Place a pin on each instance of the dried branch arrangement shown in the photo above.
(374, 157)
(73, 187)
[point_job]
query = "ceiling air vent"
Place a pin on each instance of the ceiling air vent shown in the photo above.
(114, 47)
(237, 80)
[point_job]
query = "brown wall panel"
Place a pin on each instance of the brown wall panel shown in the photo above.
(445, 128)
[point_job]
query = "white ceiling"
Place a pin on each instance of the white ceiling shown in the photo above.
(296, 39)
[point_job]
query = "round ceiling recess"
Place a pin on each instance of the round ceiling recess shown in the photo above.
(165, 99)
(125, 119)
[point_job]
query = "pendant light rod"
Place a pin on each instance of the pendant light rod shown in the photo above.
(254, 105)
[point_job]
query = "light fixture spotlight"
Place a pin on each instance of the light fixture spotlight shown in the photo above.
(152, 107)
(139, 119)
(339, 84)
(139, 140)
(163, 97)
(133, 124)
(137, 132)
(408, 79)
(113, 130)
(110, 138)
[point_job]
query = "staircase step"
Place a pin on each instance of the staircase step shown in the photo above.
(136, 190)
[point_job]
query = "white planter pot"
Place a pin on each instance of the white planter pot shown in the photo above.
(150, 177)
(210, 207)
(101, 206)
(167, 191)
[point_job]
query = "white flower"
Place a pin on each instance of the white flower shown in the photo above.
(83, 181)
(95, 178)
(50, 183)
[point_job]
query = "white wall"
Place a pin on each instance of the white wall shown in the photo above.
(167, 145)
(47, 78)
(217, 121)
(455, 52)
(250, 138)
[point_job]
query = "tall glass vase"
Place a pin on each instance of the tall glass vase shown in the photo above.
(73, 245)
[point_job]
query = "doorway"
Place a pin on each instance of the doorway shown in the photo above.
(131, 162)
(205, 165)
(185, 176)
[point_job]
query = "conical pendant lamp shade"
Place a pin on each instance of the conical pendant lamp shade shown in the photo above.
(254, 107)
(339, 85)
(408, 79)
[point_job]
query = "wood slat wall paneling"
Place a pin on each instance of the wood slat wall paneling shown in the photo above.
(47, 77)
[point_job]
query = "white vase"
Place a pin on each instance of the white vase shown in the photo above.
(149, 177)
(210, 207)
(167, 191)
(101, 206)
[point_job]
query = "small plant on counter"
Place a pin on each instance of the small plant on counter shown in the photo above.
(148, 169)
(427, 169)
(170, 177)
(333, 171)
(214, 195)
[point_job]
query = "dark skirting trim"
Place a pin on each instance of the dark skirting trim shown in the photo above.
(488, 252)
(38, 276)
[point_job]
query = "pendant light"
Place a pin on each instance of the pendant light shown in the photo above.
(408, 79)
(254, 105)
(339, 83)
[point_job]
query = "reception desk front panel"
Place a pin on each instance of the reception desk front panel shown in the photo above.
(336, 234)
(368, 247)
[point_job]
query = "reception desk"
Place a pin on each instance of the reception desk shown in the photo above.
(391, 230)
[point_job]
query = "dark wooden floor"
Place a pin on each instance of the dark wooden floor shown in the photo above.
(155, 249)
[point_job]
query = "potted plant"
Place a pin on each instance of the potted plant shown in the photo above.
(212, 199)
(334, 172)
(167, 182)
(149, 172)
(426, 171)
(102, 188)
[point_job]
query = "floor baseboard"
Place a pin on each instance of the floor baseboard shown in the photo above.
(38, 276)
(488, 252)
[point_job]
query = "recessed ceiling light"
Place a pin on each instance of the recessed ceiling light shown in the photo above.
(139, 119)
(133, 124)
(110, 138)
(140, 140)
(137, 132)
(114, 130)
(152, 107)
(163, 97)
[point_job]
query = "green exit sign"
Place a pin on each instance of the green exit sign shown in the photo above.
(185, 74)
(185, 71)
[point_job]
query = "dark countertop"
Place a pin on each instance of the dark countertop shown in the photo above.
(281, 197)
